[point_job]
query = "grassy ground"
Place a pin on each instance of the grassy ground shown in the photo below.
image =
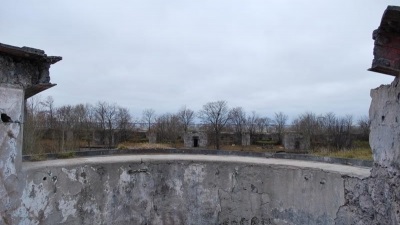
(128, 145)
(359, 152)
(356, 153)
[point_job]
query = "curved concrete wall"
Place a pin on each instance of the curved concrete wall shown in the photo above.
(183, 189)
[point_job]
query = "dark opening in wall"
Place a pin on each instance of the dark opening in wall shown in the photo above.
(5, 118)
(195, 142)
(297, 145)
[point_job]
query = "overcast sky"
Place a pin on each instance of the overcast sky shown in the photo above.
(264, 55)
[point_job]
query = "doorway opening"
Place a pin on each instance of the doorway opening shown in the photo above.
(195, 142)
(297, 145)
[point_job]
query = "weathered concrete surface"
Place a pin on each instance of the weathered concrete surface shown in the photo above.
(295, 141)
(25, 68)
(23, 72)
(385, 121)
(11, 104)
(182, 189)
(376, 200)
(189, 139)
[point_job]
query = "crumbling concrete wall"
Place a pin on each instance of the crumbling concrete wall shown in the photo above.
(182, 189)
(376, 200)
(188, 139)
(12, 106)
(23, 73)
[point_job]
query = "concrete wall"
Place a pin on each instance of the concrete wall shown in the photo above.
(246, 141)
(11, 104)
(189, 142)
(182, 189)
(296, 142)
(376, 200)
(24, 72)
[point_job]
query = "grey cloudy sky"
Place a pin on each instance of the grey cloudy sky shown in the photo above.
(264, 55)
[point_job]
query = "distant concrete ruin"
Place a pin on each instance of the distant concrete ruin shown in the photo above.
(195, 139)
(152, 137)
(246, 141)
(296, 142)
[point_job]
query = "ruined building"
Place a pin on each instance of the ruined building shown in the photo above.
(199, 189)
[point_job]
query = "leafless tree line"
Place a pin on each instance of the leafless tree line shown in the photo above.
(329, 130)
(70, 127)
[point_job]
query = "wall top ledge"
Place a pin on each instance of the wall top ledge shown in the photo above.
(344, 170)
(28, 53)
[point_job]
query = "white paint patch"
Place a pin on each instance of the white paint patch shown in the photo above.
(67, 208)
(124, 177)
(33, 202)
(70, 173)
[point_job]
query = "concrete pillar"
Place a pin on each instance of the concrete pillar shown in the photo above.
(11, 106)
(245, 139)
(24, 72)
(385, 124)
(152, 138)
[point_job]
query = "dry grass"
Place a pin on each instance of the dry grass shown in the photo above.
(356, 153)
(361, 151)
(127, 145)
(250, 148)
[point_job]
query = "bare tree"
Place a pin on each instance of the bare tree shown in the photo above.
(89, 124)
(280, 122)
(252, 123)
(325, 130)
(216, 114)
(262, 124)
(307, 124)
(238, 120)
(65, 124)
(124, 123)
(167, 128)
(186, 117)
(79, 117)
(50, 111)
(148, 116)
(33, 130)
(100, 115)
(363, 124)
(341, 134)
(111, 112)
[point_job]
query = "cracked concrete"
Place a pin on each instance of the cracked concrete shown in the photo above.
(191, 189)
(376, 199)
(183, 189)
(23, 73)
